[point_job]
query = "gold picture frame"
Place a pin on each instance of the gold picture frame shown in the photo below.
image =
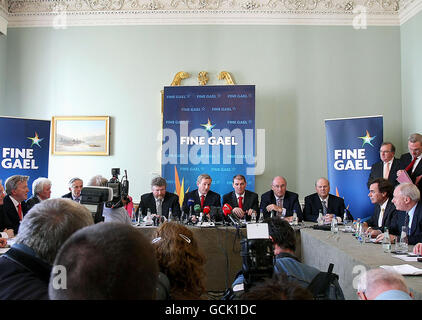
(80, 135)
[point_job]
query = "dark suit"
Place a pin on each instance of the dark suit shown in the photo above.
(405, 160)
(313, 204)
(212, 199)
(67, 195)
(398, 221)
(32, 202)
(389, 213)
(170, 200)
(377, 171)
(10, 214)
(290, 202)
(250, 201)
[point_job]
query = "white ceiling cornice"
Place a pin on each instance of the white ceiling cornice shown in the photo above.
(64, 13)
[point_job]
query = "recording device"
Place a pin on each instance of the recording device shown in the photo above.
(93, 199)
(120, 189)
(257, 258)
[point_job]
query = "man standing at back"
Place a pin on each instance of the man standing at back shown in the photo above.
(14, 206)
(243, 201)
(323, 201)
(411, 161)
(387, 167)
(280, 201)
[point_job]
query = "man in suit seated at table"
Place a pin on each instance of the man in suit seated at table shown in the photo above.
(406, 198)
(387, 167)
(380, 194)
(41, 190)
(14, 206)
(411, 161)
(323, 201)
(202, 196)
(280, 201)
(243, 201)
(159, 201)
(75, 188)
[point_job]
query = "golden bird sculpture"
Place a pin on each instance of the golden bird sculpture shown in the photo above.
(179, 77)
(224, 75)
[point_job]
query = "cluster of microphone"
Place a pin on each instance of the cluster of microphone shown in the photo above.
(211, 213)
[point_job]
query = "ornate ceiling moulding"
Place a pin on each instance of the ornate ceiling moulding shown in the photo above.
(133, 12)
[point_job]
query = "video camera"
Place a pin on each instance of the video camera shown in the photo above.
(120, 189)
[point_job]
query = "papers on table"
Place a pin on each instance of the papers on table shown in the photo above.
(4, 250)
(406, 257)
(404, 269)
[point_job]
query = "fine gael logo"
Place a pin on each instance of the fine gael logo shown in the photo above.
(208, 126)
(367, 139)
(36, 140)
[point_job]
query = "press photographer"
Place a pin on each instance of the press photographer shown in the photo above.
(108, 197)
(323, 285)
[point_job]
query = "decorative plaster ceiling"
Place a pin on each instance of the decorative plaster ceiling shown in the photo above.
(64, 13)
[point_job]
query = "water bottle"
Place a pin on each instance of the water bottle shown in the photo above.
(320, 219)
(133, 217)
(253, 217)
(148, 218)
(170, 216)
(334, 225)
(386, 243)
(261, 216)
(295, 220)
(403, 244)
(345, 218)
(358, 228)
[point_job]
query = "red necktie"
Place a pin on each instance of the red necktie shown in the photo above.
(20, 211)
(240, 202)
(410, 166)
(202, 201)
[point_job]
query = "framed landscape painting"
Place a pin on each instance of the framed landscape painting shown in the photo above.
(81, 135)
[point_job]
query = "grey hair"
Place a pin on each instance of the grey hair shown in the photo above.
(98, 181)
(38, 185)
(203, 176)
(71, 181)
(49, 223)
(410, 190)
(371, 281)
(415, 137)
(12, 183)
(158, 182)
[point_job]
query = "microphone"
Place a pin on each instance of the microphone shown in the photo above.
(190, 204)
(227, 210)
(206, 211)
(197, 208)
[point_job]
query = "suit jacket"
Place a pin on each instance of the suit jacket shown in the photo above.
(67, 195)
(405, 160)
(390, 211)
(398, 221)
(171, 200)
(212, 199)
(313, 204)
(10, 214)
(290, 202)
(32, 202)
(377, 171)
(250, 201)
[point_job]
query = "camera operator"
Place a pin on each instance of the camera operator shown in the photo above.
(285, 262)
(116, 214)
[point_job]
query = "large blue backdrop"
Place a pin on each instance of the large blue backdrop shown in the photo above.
(208, 129)
(352, 147)
(25, 147)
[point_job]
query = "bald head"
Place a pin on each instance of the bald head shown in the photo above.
(279, 186)
(322, 187)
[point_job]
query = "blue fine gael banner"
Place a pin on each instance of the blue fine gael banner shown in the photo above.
(208, 129)
(352, 147)
(25, 147)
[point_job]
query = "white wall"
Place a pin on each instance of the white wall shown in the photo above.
(303, 75)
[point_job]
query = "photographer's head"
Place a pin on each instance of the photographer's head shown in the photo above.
(282, 235)
(98, 181)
